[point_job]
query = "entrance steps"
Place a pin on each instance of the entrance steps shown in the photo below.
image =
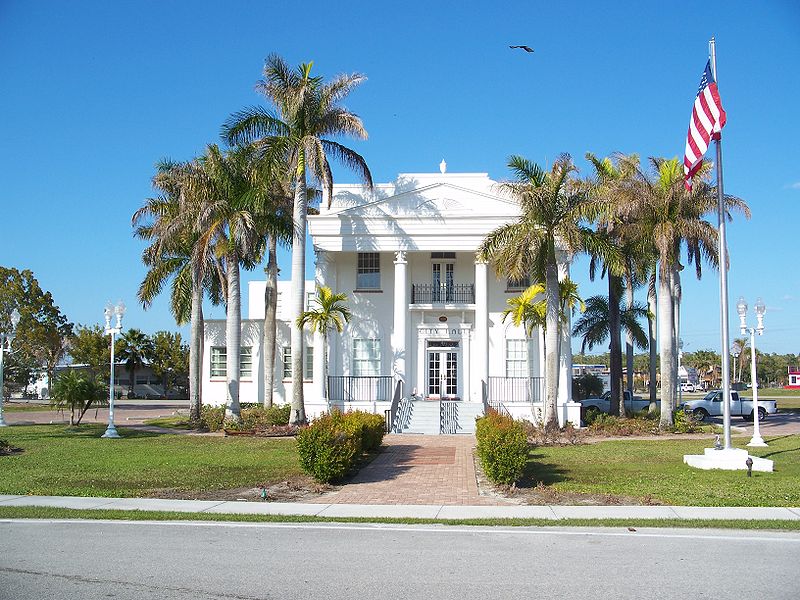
(434, 417)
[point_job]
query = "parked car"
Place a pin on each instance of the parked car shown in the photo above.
(711, 405)
(688, 386)
(633, 404)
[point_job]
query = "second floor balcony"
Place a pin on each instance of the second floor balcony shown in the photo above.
(442, 293)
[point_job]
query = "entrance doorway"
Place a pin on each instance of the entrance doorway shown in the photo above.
(443, 370)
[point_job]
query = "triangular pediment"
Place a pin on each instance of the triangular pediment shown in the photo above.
(441, 200)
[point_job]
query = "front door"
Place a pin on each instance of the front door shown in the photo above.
(442, 373)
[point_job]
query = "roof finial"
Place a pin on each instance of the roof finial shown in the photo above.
(443, 167)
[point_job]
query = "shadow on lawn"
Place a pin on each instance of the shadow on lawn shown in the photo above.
(541, 472)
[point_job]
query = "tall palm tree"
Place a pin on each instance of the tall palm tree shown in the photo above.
(608, 173)
(554, 209)
(307, 114)
(594, 323)
(171, 257)
(227, 221)
(329, 312)
(742, 344)
(135, 349)
(660, 208)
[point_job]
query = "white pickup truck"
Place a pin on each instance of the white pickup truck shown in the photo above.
(711, 405)
(603, 404)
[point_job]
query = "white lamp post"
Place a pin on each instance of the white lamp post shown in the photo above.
(5, 346)
(760, 308)
(735, 352)
(118, 310)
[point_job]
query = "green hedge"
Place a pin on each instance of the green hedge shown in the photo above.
(330, 446)
(327, 449)
(502, 447)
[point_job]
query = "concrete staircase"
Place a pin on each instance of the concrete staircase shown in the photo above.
(425, 417)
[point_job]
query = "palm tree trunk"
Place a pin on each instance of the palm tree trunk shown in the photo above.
(629, 336)
(676, 325)
(666, 345)
(298, 412)
(551, 344)
(652, 308)
(233, 340)
(196, 351)
(270, 321)
(615, 347)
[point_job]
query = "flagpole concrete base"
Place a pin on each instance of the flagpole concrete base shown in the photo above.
(734, 459)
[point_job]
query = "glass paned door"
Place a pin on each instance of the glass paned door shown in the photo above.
(442, 289)
(442, 374)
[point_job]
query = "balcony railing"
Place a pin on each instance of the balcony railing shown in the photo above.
(509, 390)
(350, 388)
(453, 293)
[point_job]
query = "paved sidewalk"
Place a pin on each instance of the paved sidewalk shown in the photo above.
(415, 511)
(417, 469)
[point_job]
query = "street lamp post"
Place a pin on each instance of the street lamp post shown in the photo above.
(5, 346)
(735, 351)
(118, 311)
(760, 308)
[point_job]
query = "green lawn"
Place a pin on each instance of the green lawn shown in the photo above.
(655, 468)
(771, 393)
(58, 461)
(23, 407)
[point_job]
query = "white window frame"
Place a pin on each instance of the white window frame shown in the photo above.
(368, 271)
(517, 357)
(218, 357)
(366, 357)
(308, 367)
(219, 362)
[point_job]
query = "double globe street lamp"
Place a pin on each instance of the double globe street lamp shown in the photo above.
(118, 311)
(5, 346)
(760, 308)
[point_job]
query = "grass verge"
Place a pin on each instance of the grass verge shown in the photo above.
(653, 471)
(76, 462)
(36, 512)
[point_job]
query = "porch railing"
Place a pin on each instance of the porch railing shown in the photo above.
(444, 293)
(510, 390)
(350, 388)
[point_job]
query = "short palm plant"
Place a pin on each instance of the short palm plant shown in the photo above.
(328, 312)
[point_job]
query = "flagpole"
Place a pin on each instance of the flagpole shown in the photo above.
(723, 278)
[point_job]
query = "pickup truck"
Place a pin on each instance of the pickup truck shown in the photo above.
(711, 405)
(603, 404)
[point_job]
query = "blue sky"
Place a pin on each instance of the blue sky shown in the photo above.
(94, 93)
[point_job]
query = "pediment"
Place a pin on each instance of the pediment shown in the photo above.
(441, 200)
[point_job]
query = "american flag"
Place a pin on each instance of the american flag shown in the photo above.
(706, 123)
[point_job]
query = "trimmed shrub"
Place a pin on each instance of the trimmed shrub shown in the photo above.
(502, 447)
(370, 426)
(258, 417)
(211, 417)
(684, 422)
(327, 449)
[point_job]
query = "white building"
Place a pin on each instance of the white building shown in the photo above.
(427, 323)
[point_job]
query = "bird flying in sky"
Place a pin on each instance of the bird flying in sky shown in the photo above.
(526, 48)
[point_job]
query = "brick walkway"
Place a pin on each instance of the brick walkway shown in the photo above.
(417, 469)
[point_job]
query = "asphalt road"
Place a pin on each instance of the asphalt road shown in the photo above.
(181, 561)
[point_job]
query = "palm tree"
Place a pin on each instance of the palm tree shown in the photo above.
(554, 206)
(330, 312)
(135, 349)
(298, 134)
(227, 222)
(594, 324)
(172, 257)
(659, 208)
(608, 175)
(741, 344)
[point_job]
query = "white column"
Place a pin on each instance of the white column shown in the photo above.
(421, 358)
(321, 279)
(481, 362)
(465, 357)
(399, 350)
(565, 358)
